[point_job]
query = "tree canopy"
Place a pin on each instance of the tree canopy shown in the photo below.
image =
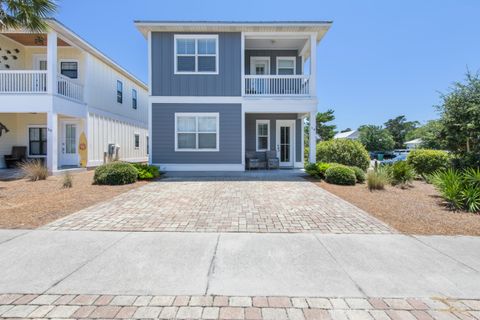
(29, 14)
(399, 127)
(376, 138)
(430, 133)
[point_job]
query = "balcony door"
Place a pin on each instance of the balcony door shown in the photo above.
(260, 65)
(285, 139)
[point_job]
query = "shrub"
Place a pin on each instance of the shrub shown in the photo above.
(34, 170)
(425, 161)
(359, 174)
(115, 173)
(343, 151)
(146, 172)
(378, 178)
(311, 169)
(322, 168)
(342, 175)
(67, 180)
(401, 173)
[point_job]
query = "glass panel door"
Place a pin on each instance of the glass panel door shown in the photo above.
(285, 139)
(70, 138)
(285, 144)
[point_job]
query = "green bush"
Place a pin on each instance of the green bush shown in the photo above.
(343, 151)
(378, 178)
(311, 169)
(401, 173)
(339, 174)
(359, 174)
(115, 173)
(459, 188)
(146, 172)
(425, 161)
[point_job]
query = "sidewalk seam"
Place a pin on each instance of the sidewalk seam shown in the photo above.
(211, 269)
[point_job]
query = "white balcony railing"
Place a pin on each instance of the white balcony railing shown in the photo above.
(277, 85)
(35, 81)
(23, 81)
(66, 87)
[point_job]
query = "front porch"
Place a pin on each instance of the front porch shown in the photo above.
(50, 137)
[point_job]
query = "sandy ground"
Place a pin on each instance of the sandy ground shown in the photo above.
(414, 210)
(26, 204)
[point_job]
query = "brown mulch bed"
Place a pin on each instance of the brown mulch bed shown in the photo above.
(417, 209)
(26, 204)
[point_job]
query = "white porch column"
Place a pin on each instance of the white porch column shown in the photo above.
(313, 64)
(312, 156)
(52, 62)
(52, 142)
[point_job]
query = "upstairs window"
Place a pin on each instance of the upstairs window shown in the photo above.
(134, 99)
(69, 69)
(197, 54)
(136, 140)
(119, 91)
(286, 65)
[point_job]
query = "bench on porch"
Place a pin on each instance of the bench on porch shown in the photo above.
(261, 160)
(19, 154)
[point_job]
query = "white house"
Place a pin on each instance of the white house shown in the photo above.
(413, 144)
(353, 135)
(68, 103)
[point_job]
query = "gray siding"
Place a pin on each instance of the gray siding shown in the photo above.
(250, 131)
(273, 54)
(163, 134)
(166, 83)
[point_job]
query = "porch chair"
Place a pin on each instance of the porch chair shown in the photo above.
(272, 160)
(255, 160)
(19, 154)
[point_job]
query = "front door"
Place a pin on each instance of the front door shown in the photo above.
(285, 142)
(69, 143)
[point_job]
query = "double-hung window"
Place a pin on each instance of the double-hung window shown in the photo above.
(136, 140)
(197, 54)
(69, 69)
(134, 99)
(119, 91)
(37, 141)
(263, 135)
(286, 65)
(196, 131)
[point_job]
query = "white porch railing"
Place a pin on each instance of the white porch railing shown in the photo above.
(277, 85)
(23, 81)
(66, 87)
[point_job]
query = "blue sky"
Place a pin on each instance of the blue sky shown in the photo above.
(380, 59)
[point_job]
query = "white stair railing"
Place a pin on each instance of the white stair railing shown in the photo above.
(68, 88)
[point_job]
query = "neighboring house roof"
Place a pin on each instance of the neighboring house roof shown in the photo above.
(347, 135)
(70, 36)
(414, 141)
(320, 27)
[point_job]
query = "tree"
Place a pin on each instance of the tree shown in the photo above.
(399, 127)
(430, 133)
(376, 138)
(324, 132)
(29, 14)
(460, 119)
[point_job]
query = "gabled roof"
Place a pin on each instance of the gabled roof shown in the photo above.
(319, 27)
(70, 36)
(414, 141)
(347, 134)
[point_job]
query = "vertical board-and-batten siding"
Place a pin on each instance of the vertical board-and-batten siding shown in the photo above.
(103, 130)
(163, 134)
(226, 83)
(273, 54)
(250, 131)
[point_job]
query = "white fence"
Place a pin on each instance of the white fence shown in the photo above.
(277, 85)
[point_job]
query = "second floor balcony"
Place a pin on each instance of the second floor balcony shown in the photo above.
(35, 82)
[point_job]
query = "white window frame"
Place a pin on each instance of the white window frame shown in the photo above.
(195, 37)
(135, 135)
(267, 122)
(255, 59)
(59, 68)
(294, 59)
(197, 115)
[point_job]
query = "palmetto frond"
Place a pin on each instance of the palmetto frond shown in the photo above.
(28, 14)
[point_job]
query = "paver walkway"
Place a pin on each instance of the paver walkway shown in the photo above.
(235, 204)
(48, 306)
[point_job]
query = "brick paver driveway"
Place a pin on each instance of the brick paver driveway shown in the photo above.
(289, 204)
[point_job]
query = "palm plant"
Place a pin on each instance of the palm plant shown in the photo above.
(28, 14)
(449, 184)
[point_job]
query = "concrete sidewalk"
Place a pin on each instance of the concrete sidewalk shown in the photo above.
(236, 264)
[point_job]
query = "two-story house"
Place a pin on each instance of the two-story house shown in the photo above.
(68, 103)
(219, 89)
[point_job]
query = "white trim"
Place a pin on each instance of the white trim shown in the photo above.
(149, 46)
(195, 37)
(198, 115)
(294, 59)
(195, 99)
(292, 124)
(242, 61)
(243, 135)
(299, 165)
(313, 65)
(149, 126)
(28, 140)
(36, 57)
(259, 58)
(200, 167)
(257, 122)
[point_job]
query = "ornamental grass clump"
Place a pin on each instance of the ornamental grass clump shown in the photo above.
(378, 178)
(67, 180)
(34, 170)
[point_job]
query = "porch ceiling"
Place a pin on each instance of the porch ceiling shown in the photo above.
(33, 39)
(278, 44)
